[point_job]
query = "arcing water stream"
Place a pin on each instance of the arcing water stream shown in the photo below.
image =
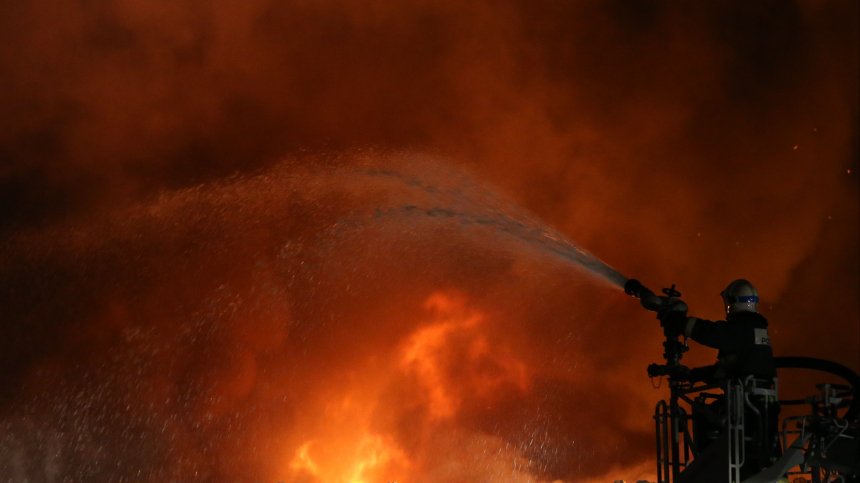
(460, 200)
(298, 326)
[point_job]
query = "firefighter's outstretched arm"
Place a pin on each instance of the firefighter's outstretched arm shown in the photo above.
(705, 332)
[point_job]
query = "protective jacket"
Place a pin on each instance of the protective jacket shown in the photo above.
(742, 340)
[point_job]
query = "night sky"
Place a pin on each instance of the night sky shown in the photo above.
(259, 240)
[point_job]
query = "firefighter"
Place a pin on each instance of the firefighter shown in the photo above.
(742, 339)
(744, 349)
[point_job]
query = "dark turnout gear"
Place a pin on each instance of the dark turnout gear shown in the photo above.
(744, 350)
(742, 340)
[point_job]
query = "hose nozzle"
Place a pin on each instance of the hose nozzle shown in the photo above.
(649, 300)
(633, 287)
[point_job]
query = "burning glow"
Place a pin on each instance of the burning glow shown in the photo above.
(425, 355)
(303, 460)
(344, 447)
(350, 461)
(421, 353)
(347, 446)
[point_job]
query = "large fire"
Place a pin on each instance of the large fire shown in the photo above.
(207, 276)
(344, 458)
(343, 446)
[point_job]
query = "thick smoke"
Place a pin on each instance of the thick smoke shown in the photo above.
(180, 303)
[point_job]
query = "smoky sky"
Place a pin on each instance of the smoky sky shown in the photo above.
(227, 228)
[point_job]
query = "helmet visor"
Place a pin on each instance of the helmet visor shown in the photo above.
(741, 300)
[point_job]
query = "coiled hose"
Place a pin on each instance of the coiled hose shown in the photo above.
(795, 362)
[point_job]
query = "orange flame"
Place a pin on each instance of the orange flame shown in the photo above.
(345, 444)
(349, 461)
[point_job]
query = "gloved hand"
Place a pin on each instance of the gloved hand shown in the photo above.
(674, 321)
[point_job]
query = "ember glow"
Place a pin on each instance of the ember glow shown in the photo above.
(330, 242)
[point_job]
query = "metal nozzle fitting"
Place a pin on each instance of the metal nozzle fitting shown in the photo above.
(647, 298)
(632, 287)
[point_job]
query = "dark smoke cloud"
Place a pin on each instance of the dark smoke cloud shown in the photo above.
(155, 327)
